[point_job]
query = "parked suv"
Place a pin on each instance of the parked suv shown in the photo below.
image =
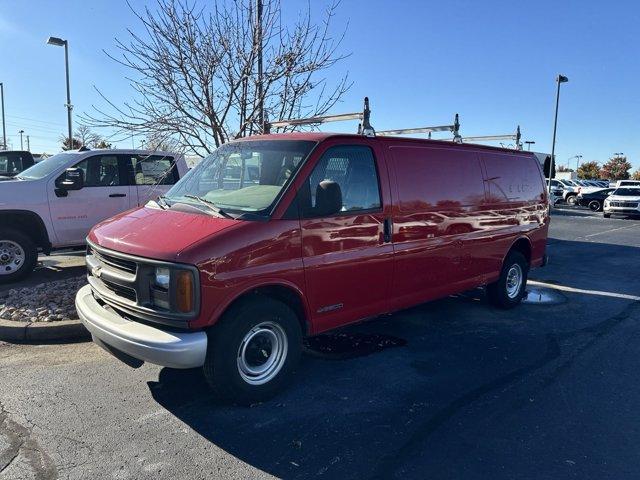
(54, 203)
(623, 201)
(12, 162)
(277, 237)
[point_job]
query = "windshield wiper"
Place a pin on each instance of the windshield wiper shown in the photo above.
(212, 206)
(162, 202)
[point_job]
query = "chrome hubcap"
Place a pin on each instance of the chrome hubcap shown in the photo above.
(12, 257)
(262, 353)
(514, 281)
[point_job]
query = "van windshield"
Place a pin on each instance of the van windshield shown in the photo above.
(245, 176)
(45, 167)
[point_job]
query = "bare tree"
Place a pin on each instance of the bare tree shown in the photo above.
(194, 72)
(86, 136)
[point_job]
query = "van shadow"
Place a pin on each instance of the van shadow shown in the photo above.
(397, 412)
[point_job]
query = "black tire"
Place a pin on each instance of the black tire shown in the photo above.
(606, 215)
(222, 365)
(595, 205)
(498, 292)
(571, 199)
(9, 272)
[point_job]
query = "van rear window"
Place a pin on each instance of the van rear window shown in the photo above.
(437, 179)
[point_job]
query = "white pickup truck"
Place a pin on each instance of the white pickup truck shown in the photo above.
(53, 204)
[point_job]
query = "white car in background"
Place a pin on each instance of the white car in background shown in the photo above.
(53, 204)
(623, 201)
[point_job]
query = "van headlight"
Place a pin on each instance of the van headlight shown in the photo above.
(173, 289)
(162, 278)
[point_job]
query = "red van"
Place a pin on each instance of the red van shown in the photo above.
(276, 237)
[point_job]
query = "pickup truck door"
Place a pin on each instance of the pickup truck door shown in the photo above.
(151, 175)
(105, 193)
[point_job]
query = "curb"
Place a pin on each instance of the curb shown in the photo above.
(36, 332)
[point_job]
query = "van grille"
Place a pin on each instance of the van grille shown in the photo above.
(115, 262)
(120, 290)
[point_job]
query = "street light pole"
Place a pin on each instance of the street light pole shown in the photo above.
(559, 79)
(21, 132)
(59, 42)
(529, 143)
(578, 157)
(4, 128)
(28, 146)
(259, 47)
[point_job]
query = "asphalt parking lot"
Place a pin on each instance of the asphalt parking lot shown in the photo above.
(542, 391)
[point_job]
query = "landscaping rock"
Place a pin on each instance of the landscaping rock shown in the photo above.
(46, 302)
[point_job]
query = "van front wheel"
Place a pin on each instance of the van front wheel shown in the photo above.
(18, 255)
(508, 290)
(253, 351)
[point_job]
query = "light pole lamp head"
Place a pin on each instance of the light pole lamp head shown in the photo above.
(562, 79)
(58, 42)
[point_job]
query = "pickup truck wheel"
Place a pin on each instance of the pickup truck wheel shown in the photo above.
(253, 351)
(508, 291)
(18, 255)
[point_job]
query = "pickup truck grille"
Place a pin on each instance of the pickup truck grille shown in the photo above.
(624, 204)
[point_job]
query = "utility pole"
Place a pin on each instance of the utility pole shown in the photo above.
(4, 129)
(21, 146)
(258, 41)
(559, 79)
(28, 147)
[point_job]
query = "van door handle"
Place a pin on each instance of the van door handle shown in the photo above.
(387, 228)
(117, 195)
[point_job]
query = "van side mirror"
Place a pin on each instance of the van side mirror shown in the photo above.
(328, 198)
(71, 179)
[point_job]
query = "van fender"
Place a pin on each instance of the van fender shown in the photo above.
(262, 285)
(520, 240)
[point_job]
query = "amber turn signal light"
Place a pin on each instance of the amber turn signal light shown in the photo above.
(184, 292)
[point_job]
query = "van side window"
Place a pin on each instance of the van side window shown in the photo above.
(353, 169)
(154, 170)
(100, 171)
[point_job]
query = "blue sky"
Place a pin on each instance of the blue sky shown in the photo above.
(420, 62)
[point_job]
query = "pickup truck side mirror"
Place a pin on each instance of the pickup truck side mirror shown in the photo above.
(71, 179)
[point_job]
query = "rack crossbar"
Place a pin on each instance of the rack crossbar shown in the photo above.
(316, 120)
(403, 131)
(489, 138)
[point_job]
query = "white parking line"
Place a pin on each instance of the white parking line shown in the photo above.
(612, 230)
(581, 290)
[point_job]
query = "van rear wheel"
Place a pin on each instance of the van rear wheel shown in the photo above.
(508, 290)
(18, 255)
(253, 351)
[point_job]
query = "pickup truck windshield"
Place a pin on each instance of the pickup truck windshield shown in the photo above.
(245, 176)
(45, 167)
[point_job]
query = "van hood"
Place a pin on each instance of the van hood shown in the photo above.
(155, 233)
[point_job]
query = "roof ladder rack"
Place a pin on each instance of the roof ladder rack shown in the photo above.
(364, 128)
(454, 128)
(517, 137)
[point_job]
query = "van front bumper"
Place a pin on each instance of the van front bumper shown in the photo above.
(139, 340)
